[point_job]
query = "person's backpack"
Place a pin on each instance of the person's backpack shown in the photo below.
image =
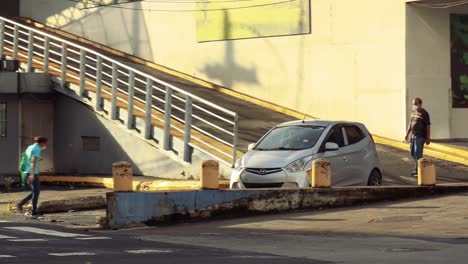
(22, 169)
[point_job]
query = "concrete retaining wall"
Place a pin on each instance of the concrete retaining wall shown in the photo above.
(157, 208)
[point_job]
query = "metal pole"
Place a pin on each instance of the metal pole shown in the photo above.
(30, 51)
(149, 103)
(15, 42)
(115, 76)
(235, 139)
(82, 72)
(63, 73)
(131, 94)
(46, 53)
(2, 36)
(167, 119)
(98, 84)
(188, 129)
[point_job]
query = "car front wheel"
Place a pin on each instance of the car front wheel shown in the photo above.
(375, 178)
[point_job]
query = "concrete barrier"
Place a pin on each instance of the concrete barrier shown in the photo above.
(159, 208)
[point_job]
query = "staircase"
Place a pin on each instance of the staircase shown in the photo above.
(133, 97)
(179, 116)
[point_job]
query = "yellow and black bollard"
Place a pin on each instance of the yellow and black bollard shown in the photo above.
(122, 174)
(320, 174)
(426, 172)
(209, 175)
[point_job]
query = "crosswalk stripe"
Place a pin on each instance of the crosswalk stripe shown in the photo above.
(27, 240)
(7, 256)
(72, 254)
(4, 221)
(147, 251)
(46, 232)
(93, 238)
(6, 237)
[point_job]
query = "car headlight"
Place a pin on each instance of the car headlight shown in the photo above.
(239, 164)
(297, 165)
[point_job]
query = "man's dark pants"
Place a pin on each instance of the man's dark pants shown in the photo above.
(416, 149)
(34, 195)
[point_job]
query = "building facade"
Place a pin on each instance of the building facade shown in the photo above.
(360, 60)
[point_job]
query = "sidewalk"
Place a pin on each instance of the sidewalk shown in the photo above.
(50, 193)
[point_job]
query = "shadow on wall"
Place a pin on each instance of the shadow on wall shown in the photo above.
(122, 29)
(229, 72)
(83, 145)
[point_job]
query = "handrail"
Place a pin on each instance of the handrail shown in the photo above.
(59, 51)
(123, 66)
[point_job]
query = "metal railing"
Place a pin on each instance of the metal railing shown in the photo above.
(202, 125)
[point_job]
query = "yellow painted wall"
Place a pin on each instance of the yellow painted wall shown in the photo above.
(428, 69)
(223, 20)
(352, 66)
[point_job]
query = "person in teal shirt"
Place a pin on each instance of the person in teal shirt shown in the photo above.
(32, 159)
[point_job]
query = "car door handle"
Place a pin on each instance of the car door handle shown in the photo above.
(345, 158)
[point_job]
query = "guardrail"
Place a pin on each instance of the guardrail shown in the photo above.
(129, 86)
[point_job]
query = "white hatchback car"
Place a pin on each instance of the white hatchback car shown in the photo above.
(282, 157)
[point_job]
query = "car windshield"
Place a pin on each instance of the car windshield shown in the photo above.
(290, 138)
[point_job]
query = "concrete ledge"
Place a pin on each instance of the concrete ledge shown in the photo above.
(76, 204)
(138, 185)
(159, 208)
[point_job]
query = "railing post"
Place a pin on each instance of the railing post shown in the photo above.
(167, 119)
(2, 36)
(188, 129)
(63, 73)
(30, 51)
(98, 83)
(115, 76)
(15, 42)
(131, 94)
(82, 72)
(46, 53)
(149, 103)
(235, 139)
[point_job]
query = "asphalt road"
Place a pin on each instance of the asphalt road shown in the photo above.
(33, 242)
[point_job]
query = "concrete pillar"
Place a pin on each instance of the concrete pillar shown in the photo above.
(320, 174)
(122, 174)
(426, 172)
(209, 175)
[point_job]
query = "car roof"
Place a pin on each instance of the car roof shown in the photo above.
(321, 123)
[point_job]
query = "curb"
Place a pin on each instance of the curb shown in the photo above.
(165, 208)
(76, 204)
(101, 182)
(435, 150)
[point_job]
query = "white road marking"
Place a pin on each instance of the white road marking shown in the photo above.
(46, 232)
(148, 251)
(69, 254)
(27, 240)
(6, 237)
(4, 221)
(7, 256)
(93, 238)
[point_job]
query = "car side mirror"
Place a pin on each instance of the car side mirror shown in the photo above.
(330, 146)
(251, 146)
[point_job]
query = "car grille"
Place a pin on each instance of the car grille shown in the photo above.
(262, 185)
(263, 171)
